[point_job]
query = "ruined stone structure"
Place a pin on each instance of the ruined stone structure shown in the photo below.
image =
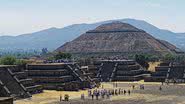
(128, 71)
(58, 76)
(18, 82)
(15, 83)
(117, 70)
(168, 72)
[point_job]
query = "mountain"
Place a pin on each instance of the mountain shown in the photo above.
(180, 33)
(50, 38)
(117, 38)
(54, 37)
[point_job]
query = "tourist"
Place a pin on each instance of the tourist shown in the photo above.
(160, 88)
(113, 84)
(119, 92)
(92, 96)
(82, 97)
(113, 92)
(129, 92)
(125, 92)
(142, 87)
(105, 91)
(116, 85)
(98, 92)
(167, 82)
(94, 92)
(66, 97)
(97, 95)
(174, 82)
(116, 93)
(162, 82)
(133, 87)
(89, 93)
(102, 95)
(108, 95)
(60, 98)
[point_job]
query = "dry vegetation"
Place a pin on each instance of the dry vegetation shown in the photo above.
(152, 66)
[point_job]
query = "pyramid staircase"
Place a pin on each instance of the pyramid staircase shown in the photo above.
(86, 81)
(4, 90)
(106, 71)
(99, 71)
(114, 72)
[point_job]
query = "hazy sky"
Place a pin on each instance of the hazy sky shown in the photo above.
(25, 16)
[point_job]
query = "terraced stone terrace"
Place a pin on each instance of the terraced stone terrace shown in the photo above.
(117, 70)
(168, 72)
(14, 83)
(58, 76)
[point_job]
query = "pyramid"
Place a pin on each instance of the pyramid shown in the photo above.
(117, 37)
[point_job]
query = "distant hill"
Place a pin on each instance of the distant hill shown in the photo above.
(54, 37)
(117, 38)
(180, 34)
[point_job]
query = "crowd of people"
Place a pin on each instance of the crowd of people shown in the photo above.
(106, 93)
(102, 93)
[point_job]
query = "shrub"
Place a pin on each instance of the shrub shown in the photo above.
(62, 55)
(20, 62)
(8, 60)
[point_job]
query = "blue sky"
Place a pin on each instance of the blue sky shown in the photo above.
(25, 16)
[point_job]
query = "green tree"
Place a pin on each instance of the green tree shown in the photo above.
(142, 60)
(180, 59)
(50, 58)
(169, 58)
(20, 62)
(8, 60)
(62, 55)
(44, 51)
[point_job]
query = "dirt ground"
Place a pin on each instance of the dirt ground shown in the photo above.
(170, 94)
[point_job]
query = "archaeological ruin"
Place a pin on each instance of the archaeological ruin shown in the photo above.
(108, 44)
(14, 82)
(116, 70)
(168, 72)
(64, 76)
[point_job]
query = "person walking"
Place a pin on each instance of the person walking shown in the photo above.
(133, 87)
(125, 92)
(128, 92)
(82, 97)
(160, 88)
(97, 95)
(92, 96)
(60, 98)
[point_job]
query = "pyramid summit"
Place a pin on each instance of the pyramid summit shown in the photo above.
(117, 38)
(115, 27)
